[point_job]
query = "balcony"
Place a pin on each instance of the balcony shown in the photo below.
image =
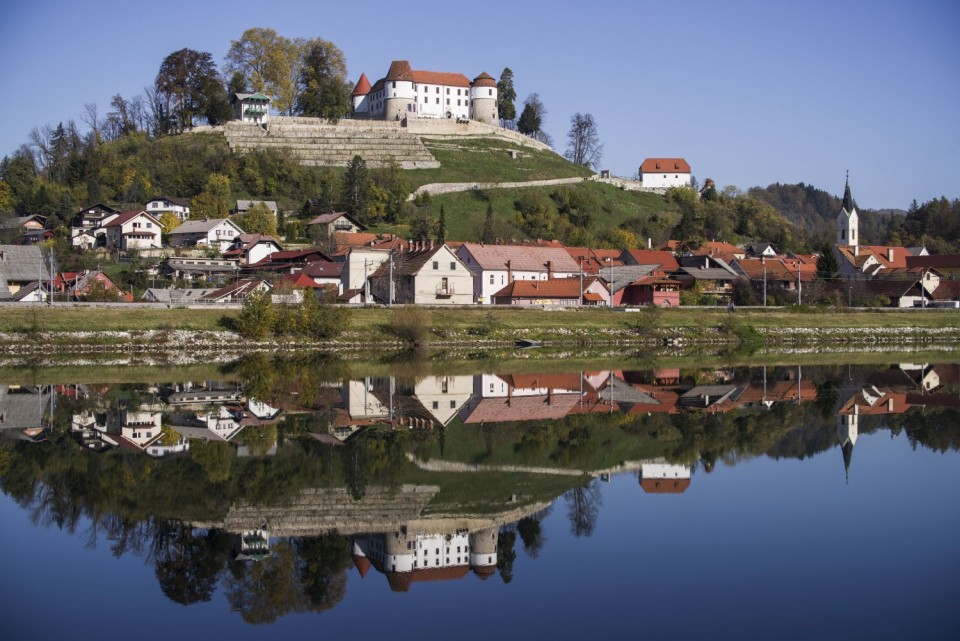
(444, 291)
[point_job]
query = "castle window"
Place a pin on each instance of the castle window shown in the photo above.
(448, 101)
(438, 101)
(489, 92)
(394, 83)
(448, 91)
(438, 89)
(458, 103)
(426, 99)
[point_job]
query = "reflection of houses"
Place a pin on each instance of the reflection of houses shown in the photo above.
(22, 412)
(408, 556)
(523, 398)
(187, 394)
(664, 478)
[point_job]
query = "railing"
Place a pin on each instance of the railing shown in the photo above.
(445, 290)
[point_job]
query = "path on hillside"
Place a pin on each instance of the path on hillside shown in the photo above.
(435, 189)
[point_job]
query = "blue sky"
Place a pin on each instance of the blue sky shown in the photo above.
(750, 93)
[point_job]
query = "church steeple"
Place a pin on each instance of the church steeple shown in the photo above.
(848, 221)
(847, 197)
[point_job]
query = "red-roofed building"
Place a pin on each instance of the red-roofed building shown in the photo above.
(663, 173)
(408, 93)
(558, 291)
(133, 230)
(495, 266)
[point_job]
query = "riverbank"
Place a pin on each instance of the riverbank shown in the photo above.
(148, 330)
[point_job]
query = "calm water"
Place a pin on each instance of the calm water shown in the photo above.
(294, 498)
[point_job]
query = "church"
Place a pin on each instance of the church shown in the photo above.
(408, 93)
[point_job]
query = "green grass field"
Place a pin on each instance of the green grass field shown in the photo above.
(474, 324)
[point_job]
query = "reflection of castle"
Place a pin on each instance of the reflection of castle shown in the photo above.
(407, 556)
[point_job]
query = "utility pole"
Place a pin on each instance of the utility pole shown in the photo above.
(580, 297)
(50, 296)
(764, 285)
(390, 294)
(799, 287)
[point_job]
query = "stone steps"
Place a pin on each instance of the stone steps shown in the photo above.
(317, 143)
(316, 511)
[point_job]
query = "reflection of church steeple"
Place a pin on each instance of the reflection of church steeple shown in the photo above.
(848, 427)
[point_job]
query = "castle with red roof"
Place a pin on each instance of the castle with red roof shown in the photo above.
(408, 93)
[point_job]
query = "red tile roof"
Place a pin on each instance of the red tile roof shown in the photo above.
(940, 261)
(552, 288)
(363, 86)
(665, 486)
(521, 258)
(668, 165)
(484, 80)
(128, 216)
(666, 259)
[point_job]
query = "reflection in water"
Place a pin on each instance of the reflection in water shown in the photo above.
(273, 486)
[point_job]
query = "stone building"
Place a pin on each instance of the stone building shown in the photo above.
(409, 93)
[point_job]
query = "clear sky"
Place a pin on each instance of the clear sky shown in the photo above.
(750, 93)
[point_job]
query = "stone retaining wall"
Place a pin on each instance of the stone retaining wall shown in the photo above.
(435, 189)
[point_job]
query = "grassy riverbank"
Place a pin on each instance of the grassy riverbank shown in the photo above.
(481, 322)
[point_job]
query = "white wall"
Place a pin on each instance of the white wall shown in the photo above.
(665, 180)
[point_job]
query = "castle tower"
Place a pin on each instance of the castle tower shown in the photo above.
(483, 552)
(361, 105)
(848, 222)
(399, 94)
(483, 99)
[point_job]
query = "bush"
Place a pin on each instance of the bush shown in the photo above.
(320, 319)
(409, 324)
(646, 321)
(257, 318)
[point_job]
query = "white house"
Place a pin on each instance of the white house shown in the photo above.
(408, 93)
(424, 275)
(218, 233)
(133, 230)
(252, 248)
(251, 107)
(179, 207)
(495, 266)
(443, 396)
(662, 173)
(360, 264)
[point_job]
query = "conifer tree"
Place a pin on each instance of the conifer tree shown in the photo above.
(441, 236)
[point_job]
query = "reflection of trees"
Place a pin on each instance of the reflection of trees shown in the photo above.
(583, 507)
(298, 576)
(323, 561)
(935, 430)
(188, 562)
(530, 529)
(506, 554)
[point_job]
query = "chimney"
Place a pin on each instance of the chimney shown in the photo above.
(509, 272)
(890, 254)
(649, 243)
(549, 268)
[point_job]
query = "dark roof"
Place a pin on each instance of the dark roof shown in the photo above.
(399, 70)
(408, 263)
(939, 261)
(183, 202)
(847, 197)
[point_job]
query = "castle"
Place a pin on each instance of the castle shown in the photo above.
(407, 93)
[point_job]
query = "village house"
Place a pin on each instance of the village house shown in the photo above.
(658, 291)
(21, 267)
(253, 108)
(252, 248)
(237, 292)
(663, 173)
(215, 233)
(133, 230)
(563, 292)
(335, 221)
(423, 275)
(243, 206)
(175, 296)
(215, 270)
(179, 207)
(408, 93)
(494, 266)
(81, 285)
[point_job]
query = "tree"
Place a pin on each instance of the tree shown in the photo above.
(259, 220)
(214, 200)
(828, 269)
(583, 141)
(189, 86)
(169, 221)
(267, 61)
(531, 118)
(422, 224)
(489, 232)
(506, 95)
(257, 317)
(355, 192)
(441, 230)
(323, 87)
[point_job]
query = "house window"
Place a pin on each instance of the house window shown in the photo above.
(438, 101)
(453, 266)
(436, 264)
(436, 405)
(448, 101)
(453, 405)
(425, 99)
(491, 279)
